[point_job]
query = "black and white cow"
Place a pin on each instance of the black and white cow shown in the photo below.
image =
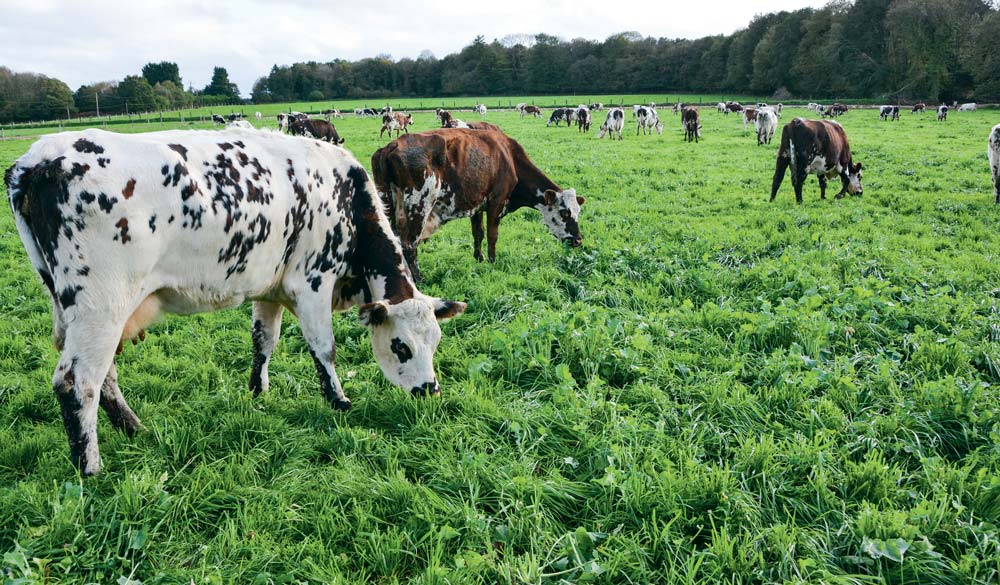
(647, 121)
(559, 115)
(583, 119)
(613, 124)
(993, 153)
(218, 119)
(767, 123)
(234, 117)
(125, 227)
(888, 113)
(942, 113)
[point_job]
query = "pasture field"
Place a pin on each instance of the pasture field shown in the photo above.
(712, 389)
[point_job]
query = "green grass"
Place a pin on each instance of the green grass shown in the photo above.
(713, 389)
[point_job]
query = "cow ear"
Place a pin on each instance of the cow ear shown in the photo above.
(444, 310)
(372, 314)
(580, 200)
(859, 166)
(550, 197)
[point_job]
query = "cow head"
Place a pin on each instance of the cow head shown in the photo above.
(561, 212)
(405, 336)
(854, 179)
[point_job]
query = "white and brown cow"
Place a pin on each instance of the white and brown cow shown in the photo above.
(993, 153)
(613, 124)
(444, 116)
(530, 111)
(692, 124)
(919, 108)
(816, 147)
(122, 228)
(430, 178)
(318, 129)
(396, 122)
(583, 119)
(749, 117)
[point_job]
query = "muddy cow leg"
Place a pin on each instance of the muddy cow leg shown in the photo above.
(477, 235)
(313, 311)
(265, 332)
(114, 405)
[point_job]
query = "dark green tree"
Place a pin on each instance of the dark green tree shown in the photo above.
(162, 71)
(221, 86)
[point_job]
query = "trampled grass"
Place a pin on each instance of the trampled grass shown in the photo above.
(713, 389)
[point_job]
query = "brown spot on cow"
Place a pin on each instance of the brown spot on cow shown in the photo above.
(122, 226)
(129, 189)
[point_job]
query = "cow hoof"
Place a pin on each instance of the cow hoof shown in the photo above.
(341, 405)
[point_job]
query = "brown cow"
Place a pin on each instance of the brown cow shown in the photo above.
(749, 115)
(530, 111)
(445, 117)
(429, 178)
(733, 107)
(395, 121)
(692, 124)
(919, 108)
(483, 126)
(318, 129)
(816, 147)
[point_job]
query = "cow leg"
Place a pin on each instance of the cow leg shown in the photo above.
(114, 405)
(313, 312)
(779, 175)
(83, 367)
(266, 329)
(798, 180)
(477, 235)
(492, 230)
(822, 187)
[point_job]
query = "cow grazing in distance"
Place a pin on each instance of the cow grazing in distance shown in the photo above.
(429, 178)
(318, 129)
(240, 124)
(888, 113)
(749, 116)
(218, 119)
(480, 109)
(559, 115)
(530, 111)
(258, 115)
(834, 111)
(692, 124)
(678, 108)
(816, 147)
(647, 121)
(919, 108)
(444, 116)
(234, 117)
(597, 106)
(993, 153)
(970, 107)
(369, 113)
(122, 228)
(767, 123)
(396, 121)
(583, 119)
(733, 107)
(942, 113)
(520, 107)
(386, 110)
(778, 108)
(721, 108)
(332, 113)
(613, 124)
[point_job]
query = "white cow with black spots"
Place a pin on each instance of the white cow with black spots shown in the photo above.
(613, 124)
(123, 228)
(993, 152)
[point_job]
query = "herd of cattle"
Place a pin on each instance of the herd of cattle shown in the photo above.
(124, 228)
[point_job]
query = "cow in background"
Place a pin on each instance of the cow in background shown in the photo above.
(613, 124)
(692, 124)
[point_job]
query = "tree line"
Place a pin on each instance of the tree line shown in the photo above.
(937, 50)
(30, 96)
(890, 50)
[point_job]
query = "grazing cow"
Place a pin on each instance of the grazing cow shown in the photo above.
(835, 110)
(721, 108)
(888, 113)
(648, 120)
(749, 115)
(613, 124)
(692, 124)
(258, 115)
(761, 105)
(429, 178)
(970, 107)
(456, 123)
(480, 109)
(240, 124)
(520, 107)
(396, 121)
(444, 116)
(597, 106)
(635, 110)
(919, 108)
(559, 115)
(483, 126)
(234, 117)
(318, 129)
(531, 111)
(369, 113)
(777, 109)
(583, 119)
(733, 107)
(332, 113)
(359, 112)
(767, 123)
(386, 110)
(122, 228)
(218, 119)
(816, 147)
(993, 152)
(942, 112)
(678, 108)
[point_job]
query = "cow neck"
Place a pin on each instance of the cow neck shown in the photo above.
(378, 271)
(531, 183)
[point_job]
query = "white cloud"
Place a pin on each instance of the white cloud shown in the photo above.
(82, 42)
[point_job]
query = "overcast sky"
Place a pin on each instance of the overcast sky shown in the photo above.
(82, 42)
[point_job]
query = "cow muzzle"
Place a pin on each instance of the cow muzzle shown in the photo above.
(426, 389)
(574, 241)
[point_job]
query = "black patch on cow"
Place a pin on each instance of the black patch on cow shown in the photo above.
(225, 146)
(170, 219)
(69, 406)
(179, 150)
(106, 203)
(257, 367)
(67, 298)
(47, 281)
(242, 244)
(84, 145)
(103, 162)
(40, 196)
(79, 170)
(243, 158)
(402, 351)
(325, 381)
(152, 224)
(87, 197)
(239, 143)
(129, 189)
(83, 271)
(180, 170)
(122, 226)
